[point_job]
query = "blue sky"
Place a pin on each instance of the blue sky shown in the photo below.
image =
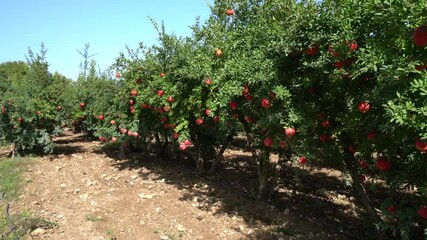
(107, 25)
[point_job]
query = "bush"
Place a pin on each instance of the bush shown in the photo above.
(30, 111)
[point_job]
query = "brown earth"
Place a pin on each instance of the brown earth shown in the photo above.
(94, 194)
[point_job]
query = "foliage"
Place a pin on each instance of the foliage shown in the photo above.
(93, 94)
(316, 82)
(30, 106)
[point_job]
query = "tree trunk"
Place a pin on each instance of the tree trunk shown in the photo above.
(197, 155)
(360, 190)
(219, 156)
(266, 176)
(158, 142)
(13, 150)
(200, 162)
(264, 166)
(164, 151)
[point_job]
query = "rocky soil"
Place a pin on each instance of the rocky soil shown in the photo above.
(89, 194)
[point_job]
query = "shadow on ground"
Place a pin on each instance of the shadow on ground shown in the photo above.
(232, 191)
(300, 205)
(64, 143)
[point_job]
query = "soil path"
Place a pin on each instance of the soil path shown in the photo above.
(92, 195)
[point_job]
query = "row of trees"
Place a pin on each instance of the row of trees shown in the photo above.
(36, 104)
(310, 81)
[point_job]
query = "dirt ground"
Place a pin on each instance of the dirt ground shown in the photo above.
(91, 194)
